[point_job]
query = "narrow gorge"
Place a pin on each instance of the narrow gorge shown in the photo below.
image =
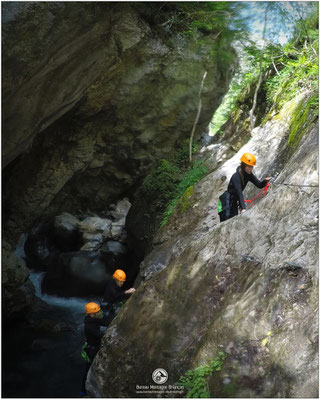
(99, 104)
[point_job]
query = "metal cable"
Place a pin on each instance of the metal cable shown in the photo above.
(292, 184)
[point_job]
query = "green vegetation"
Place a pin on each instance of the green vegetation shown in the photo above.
(301, 120)
(171, 183)
(185, 190)
(194, 380)
(297, 69)
(287, 70)
(160, 184)
(219, 21)
(194, 18)
(239, 87)
(300, 72)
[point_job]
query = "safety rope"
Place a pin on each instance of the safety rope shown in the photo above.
(264, 191)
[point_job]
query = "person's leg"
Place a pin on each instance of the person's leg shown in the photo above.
(233, 209)
(83, 387)
(222, 216)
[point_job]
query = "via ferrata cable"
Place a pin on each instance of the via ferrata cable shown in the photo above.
(292, 184)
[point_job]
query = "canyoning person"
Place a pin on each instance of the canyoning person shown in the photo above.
(232, 200)
(93, 322)
(114, 292)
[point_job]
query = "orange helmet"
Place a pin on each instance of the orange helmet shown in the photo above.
(92, 308)
(120, 275)
(248, 159)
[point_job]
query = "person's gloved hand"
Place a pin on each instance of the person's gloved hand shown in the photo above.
(131, 290)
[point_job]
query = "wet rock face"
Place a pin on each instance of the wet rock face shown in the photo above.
(248, 287)
(78, 253)
(90, 107)
(18, 292)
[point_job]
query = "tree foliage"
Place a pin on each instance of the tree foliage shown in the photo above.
(287, 69)
(297, 63)
(205, 17)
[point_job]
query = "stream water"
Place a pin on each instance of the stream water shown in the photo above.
(41, 354)
(43, 359)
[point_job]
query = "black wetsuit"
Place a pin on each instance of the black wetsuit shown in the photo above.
(237, 184)
(113, 293)
(93, 336)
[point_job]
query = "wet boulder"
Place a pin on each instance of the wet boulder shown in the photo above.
(17, 290)
(65, 232)
(92, 229)
(39, 246)
(114, 254)
(120, 210)
(75, 274)
(117, 232)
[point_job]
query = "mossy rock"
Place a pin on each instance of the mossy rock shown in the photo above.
(301, 121)
(185, 201)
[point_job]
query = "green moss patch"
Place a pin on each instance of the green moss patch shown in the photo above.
(303, 115)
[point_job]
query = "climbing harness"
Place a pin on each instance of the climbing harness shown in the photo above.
(264, 191)
(224, 199)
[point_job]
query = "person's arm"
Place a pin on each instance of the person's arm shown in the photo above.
(130, 291)
(121, 295)
(260, 184)
(113, 293)
(236, 180)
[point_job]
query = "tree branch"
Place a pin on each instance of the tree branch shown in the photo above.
(251, 112)
(274, 66)
(197, 117)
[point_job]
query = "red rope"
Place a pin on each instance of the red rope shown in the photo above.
(264, 191)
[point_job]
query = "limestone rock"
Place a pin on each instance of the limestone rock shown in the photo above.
(117, 232)
(121, 209)
(66, 222)
(65, 231)
(113, 247)
(18, 292)
(92, 242)
(88, 110)
(93, 231)
(38, 246)
(94, 225)
(247, 286)
(114, 254)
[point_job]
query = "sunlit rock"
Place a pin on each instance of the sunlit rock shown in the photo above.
(248, 286)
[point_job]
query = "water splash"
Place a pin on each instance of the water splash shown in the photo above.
(19, 250)
(73, 304)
